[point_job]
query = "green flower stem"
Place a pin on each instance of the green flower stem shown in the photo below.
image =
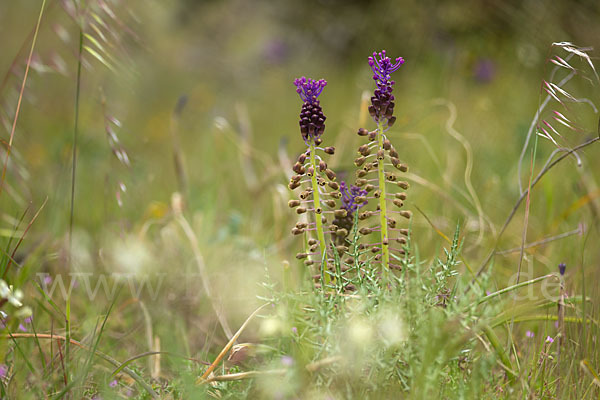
(385, 262)
(318, 222)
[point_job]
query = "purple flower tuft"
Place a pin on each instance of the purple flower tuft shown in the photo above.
(349, 196)
(529, 334)
(113, 383)
(561, 268)
(309, 89)
(312, 119)
(382, 70)
(549, 339)
(382, 101)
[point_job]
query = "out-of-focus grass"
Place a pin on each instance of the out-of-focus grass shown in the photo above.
(236, 63)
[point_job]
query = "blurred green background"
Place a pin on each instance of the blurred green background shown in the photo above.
(230, 66)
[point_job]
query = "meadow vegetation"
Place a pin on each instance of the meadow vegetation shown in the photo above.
(234, 200)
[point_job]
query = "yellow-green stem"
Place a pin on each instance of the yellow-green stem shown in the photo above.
(318, 222)
(385, 251)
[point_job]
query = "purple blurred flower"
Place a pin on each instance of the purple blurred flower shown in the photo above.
(287, 361)
(47, 280)
(294, 330)
(3, 370)
(28, 320)
(113, 383)
(549, 340)
(561, 268)
(529, 334)
(312, 119)
(22, 328)
(349, 196)
(484, 70)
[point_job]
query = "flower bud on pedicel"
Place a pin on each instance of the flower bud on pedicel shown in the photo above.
(351, 202)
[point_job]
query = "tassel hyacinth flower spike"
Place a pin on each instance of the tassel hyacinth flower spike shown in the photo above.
(379, 164)
(319, 189)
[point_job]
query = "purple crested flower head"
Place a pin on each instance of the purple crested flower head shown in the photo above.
(382, 70)
(382, 101)
(309, 89)
(349, 195)
(312, 119)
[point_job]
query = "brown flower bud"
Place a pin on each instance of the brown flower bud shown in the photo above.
(365, 230)
(310, 171)
(402, 167)
(401, 240)
(330, 174)
(380, 155)
(335, 195)
(359, 161)
(341, 249)
(301, 225)
(369, 187)
(322, 165)
(391, 223)
(329, 203)
(377, 194)
(360, 199)
(318, 210)
(300, 256)
(300, 210)
(393, 152)
(404, 185)
(293, 185)
(341, 232)
(387, 144)
(372, 135)
(375, 249)
(404, 232)
(398, 203)
(293, 203)
(364, 215)
(321, 181)
(372, 111)
(406, 214)
(329, 150)
(378, 257)
(313, 248)
(360, 173)
(333, 227)
(308, 262)
(391, 121)
(363, 132)
(302, 158)
(296, 231)
(361, 247)
(401, 196)
(334, 185)
(390, 177)
(304, 195)
(361, 182)
(364, 150)
(340, 213)
(298, 168)
(312, 241)
(295, 178)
